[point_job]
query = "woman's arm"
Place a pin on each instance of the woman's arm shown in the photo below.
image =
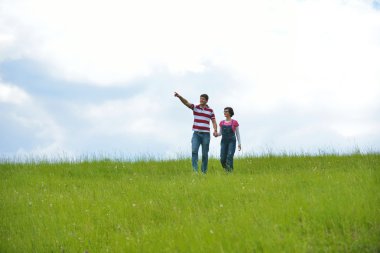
(238, 137)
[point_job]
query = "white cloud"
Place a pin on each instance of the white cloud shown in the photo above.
(132, 116)
(48, 136)
(23, 113)
(12, 94)
(122, 39)
(273, 44)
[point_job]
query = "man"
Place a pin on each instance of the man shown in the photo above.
(201, 129)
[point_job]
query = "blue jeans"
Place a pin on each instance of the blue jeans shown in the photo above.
(200, 138)
(227, 151)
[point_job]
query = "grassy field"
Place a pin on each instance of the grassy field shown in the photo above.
(325, 203)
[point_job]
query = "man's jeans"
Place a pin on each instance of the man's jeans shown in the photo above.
(200, 138)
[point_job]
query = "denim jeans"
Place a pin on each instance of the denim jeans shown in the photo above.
(200, 138)
(227, 148)
(227, 152)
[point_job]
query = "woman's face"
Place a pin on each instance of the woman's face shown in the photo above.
(226, 113)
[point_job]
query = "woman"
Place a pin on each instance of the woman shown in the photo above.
(229, 130)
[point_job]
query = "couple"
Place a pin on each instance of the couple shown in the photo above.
(201, 133)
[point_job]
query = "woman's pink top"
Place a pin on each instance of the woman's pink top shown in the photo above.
(233, 122)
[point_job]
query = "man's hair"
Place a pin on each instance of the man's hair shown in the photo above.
(204, 96)
(230, 110)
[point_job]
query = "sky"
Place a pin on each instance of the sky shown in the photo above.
(97, 77)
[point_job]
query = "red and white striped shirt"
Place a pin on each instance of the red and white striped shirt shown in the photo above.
(202, 118)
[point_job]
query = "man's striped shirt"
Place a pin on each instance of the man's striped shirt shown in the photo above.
(202, 118)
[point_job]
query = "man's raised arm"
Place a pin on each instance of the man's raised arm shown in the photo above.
(183, 100)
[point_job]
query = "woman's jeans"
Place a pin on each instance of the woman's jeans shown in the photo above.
(227, 149)
(200, 138)
(227, 152)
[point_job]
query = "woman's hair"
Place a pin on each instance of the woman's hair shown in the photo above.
(230, 110)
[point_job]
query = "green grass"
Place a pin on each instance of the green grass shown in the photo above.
(325, 203)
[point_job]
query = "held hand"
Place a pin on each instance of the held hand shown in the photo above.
(239, 147)
(215, 133)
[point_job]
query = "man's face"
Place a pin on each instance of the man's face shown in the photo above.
(202, 101)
